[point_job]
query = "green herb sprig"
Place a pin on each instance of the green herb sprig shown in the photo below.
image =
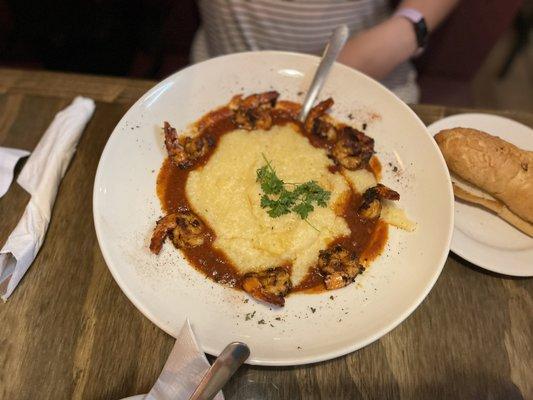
(278, 200)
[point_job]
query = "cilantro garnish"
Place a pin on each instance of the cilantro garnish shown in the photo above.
(278, 200)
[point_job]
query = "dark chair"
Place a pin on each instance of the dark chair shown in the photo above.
(458, 48)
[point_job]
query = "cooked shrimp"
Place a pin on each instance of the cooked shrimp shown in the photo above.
(162, 228)
(324, 130)
(316, 112)
(235, 102)
(270, 286)
(184, 151)
(371, 205)
(184, 228)
(255, 118)
(259, 99)
(354, 150)
(253, 112)
(338, 266)
(386, 192)
(370, 208)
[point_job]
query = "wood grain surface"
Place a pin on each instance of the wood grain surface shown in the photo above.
(68, 332)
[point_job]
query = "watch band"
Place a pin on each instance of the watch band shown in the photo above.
(419, 25)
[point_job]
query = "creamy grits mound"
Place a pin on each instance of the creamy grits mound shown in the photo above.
(226, 195)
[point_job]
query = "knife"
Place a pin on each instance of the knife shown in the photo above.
(184, 370)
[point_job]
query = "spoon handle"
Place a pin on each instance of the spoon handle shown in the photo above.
(221, 371)
(331, 52)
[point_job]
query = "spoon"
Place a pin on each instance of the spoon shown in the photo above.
(221, 371)
(331, 52)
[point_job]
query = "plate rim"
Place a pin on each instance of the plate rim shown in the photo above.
(455, 247)
(302, 360)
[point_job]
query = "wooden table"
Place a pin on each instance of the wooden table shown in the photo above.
(68, 332)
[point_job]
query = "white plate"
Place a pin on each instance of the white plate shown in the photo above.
(479, 236)
(166, 289)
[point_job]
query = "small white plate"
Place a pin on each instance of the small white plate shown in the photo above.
(479, 236)
(310, 328)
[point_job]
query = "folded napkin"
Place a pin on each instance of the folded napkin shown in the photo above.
(8, 159)
(183, 371)
(40, 177)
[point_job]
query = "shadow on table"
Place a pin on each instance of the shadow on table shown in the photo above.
(475, 268)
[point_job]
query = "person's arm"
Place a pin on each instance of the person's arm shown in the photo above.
(434, 11)
(378, 50)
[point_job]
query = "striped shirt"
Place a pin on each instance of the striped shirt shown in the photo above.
(304, 26)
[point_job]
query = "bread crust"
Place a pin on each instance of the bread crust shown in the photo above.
(495, 206)
(493, 165)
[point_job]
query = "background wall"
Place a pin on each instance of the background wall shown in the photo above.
(151, 39)
(144, 38)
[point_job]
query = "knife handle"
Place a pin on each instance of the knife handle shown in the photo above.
(231, 358)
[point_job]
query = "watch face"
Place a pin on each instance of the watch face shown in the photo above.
(421, 31)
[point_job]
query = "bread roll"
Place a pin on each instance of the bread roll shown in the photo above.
(493, 165)
(495, 206)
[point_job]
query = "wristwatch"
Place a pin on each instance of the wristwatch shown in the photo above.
(419, 25)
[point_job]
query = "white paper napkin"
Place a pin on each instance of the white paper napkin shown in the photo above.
(184, 369)
(8, 159)
(41, 177)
